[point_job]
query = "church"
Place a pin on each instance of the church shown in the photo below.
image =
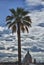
(27, 59)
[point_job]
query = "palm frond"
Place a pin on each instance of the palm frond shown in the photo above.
(22, 27)
(24, 13)
(11, 24)
(19, 11)
(27, 23)
(26, 28)
(8, 23)
(18, 16)
(9, 18)
(27, 18)
(13, 11)
(13, 28)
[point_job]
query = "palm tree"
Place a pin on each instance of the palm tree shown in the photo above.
(17, 21)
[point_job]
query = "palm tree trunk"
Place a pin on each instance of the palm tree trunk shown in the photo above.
(19, 44)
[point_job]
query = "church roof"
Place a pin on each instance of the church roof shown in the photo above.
(27, 57)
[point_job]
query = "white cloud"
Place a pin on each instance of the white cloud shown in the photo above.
(34, 2)
(37, 17)
(1, 28)
(34, 38)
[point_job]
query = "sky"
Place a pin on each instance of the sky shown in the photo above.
(33, 41)
(30, 5)
(5, 5)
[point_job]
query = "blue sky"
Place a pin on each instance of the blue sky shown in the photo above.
(30, 5)
(5, 5)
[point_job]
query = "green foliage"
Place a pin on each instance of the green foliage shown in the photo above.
(18, 16)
